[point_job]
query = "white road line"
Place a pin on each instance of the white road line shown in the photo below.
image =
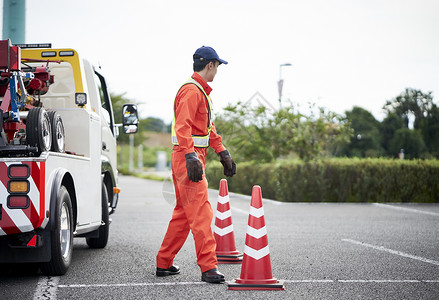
(46, 288)
(129, 284)
(381, 248)
(406, 209)
(311, 281)
(143, 284)
(361, 281)
(380, 281)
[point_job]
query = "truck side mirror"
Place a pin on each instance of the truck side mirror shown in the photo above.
(130, 119)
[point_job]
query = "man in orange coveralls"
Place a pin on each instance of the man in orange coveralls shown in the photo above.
(193, 132)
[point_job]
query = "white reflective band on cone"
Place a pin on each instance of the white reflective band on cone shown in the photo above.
(257, 254)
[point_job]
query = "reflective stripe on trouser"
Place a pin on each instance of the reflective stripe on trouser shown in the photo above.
(192, 212)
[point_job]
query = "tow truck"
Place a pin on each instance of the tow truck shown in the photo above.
(58, 160)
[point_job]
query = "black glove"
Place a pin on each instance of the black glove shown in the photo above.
(228, 163)
(194, 167)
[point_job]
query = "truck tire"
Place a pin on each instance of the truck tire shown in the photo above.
(58, 135)
(61, 238)
(104, 230)
(38, 129)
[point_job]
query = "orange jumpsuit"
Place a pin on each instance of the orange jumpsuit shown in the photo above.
(193, 211)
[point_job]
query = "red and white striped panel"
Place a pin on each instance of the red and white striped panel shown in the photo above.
(16, 220)
(223, 221)
(256, 242)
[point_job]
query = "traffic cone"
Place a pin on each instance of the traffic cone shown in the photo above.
(256, 273)
(226, 252)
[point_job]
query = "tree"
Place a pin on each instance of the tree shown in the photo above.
(365, 141)
(246, 132)
(319, 134)
(257, 134)
(409, 140)
(153, 124)
(389, 126)
(420, 106)
(430, 131)
(411, 102)
(118, 100)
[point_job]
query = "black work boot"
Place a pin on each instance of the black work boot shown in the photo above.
(212, 276)
(173, 270)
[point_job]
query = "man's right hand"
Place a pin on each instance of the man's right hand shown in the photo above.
(194, 167)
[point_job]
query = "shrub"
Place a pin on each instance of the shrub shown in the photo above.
(337, 180)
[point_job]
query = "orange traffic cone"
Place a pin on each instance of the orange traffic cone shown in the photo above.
(256, 273)
(226, 252)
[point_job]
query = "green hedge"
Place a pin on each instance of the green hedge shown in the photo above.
(336, 180)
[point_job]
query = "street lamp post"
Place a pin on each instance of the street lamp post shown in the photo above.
(14, 21)
(281, 82)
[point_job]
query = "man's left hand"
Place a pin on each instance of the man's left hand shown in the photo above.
(228, 163)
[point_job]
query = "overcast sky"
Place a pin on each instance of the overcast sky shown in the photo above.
(343, 52)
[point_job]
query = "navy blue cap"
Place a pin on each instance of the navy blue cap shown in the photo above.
(207, 53)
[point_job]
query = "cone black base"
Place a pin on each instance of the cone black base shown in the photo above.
(230, 259)
(279, 286)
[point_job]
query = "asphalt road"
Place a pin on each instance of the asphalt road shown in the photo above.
(322, 251)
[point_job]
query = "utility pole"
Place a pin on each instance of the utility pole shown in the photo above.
(14, 21)
(131, 155)
(140, 157)
(280, 83)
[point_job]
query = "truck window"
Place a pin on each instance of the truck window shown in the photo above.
(105, 112)
(105, 101)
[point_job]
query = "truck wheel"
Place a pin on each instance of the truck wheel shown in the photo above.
(38, 129)
(104, 230)
(58, 135)
(61, 238)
